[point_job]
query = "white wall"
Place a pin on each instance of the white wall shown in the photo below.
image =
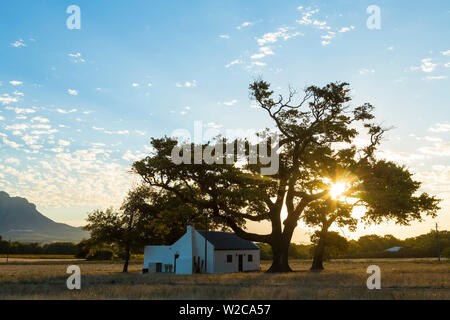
(221, 265)
(198, 250)
(166, 254)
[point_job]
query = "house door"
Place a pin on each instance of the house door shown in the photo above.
(241, 262)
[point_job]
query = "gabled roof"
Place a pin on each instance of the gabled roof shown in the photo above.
(227, 241)
(393, 249)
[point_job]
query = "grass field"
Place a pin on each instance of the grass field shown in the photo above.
(400, 279)
(38, 256)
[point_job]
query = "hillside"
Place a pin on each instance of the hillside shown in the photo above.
(20, 221)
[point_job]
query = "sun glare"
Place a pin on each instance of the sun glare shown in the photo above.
(337, 190)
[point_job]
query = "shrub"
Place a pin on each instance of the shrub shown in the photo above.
(103, 254)
(446, 252)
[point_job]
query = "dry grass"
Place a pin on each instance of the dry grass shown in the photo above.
(400, 279)
(39, 256)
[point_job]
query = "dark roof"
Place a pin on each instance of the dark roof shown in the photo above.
(228, 241)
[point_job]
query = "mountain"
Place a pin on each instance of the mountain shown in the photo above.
(20, 221)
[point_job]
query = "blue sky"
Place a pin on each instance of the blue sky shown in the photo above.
(78, 106)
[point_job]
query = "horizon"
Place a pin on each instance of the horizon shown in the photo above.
(77, 107)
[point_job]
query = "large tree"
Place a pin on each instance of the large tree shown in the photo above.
(317, 151)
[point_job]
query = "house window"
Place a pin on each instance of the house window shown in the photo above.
(250, 258)
(229, 258)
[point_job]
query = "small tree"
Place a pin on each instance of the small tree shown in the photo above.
(147, 216)
(328, 244)
(124, 227)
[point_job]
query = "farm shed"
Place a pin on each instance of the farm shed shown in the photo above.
(198, 251)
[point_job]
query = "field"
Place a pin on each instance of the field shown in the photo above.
(400, 279)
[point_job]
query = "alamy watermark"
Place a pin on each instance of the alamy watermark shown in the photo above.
(74, 20)
(74, 280)
(259, 149)
(374, 20)
(374, 281)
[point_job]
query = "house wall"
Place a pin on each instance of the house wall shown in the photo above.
(221, 265)
(198, 250)
(166, 254)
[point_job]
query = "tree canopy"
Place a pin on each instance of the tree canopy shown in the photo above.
(317, 151)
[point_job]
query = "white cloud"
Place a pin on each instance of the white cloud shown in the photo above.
(76, 57)
(63, 143)
(72, 92)
(15, 83)
(11, 144)
(187, 84)
(7, 99)
(141, 132)
(244, 25)
(40, 119)
(366, 71)
(19, 43)
(66, 111)
(439, 148)
(264, 51)
(237, 61)
(119, 132)
(230, 103)
(427, 65)
(17, 126)
(281, 33)
(2, 118)
(259, 64)
(224, 36)
(445, 53)
(346, 29)
(430, 78)
(30, 140)
(305, 20)
(391, 48)
(41, 126)
(131, 157)
(213, 125)
(44, 132)
(13, 161)
(22, 110)
(440, 127)
(135, 84)
(325, 42)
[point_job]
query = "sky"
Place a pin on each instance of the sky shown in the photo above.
(79, 105)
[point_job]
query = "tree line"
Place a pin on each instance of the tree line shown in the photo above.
(368, 246)
(372, 246)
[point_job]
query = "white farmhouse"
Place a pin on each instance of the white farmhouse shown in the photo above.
(198, 251)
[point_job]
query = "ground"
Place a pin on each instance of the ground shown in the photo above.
(341, 279)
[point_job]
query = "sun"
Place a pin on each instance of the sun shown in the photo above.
(337, 190)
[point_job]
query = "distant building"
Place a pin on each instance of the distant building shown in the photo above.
(225, 252)
(393, 249)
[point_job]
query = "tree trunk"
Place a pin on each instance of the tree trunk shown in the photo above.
(127, 257)
(317, 264)
(319, 252)
(127, 242)
(280, 258)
